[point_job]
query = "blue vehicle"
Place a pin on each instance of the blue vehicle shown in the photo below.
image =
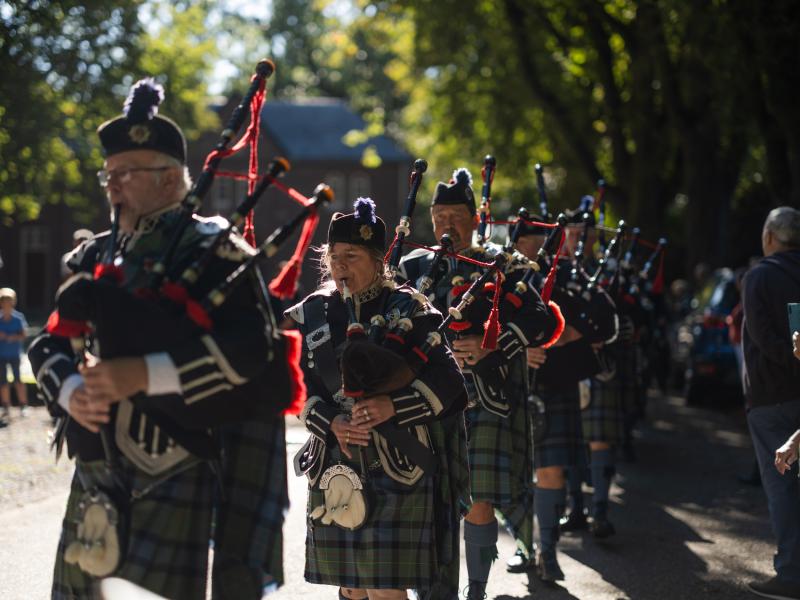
(712, 372)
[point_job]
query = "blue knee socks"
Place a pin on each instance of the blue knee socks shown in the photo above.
(549, 508)
(602, 473)
(574, 481)
(480, 542)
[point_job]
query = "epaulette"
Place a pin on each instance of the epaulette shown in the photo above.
(296, 312)
(417, 253)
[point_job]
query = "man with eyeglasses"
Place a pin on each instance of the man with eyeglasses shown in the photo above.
(163, 486)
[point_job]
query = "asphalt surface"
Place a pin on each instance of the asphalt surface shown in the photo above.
(686, 528)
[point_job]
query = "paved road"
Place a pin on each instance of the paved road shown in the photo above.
(686, 527)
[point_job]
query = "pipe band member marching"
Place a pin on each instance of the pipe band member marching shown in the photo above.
(382, 460)
(559, 372)
(495, 420)
(153, 406)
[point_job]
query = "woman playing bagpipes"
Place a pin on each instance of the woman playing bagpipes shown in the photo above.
(161, 370)
(384, 409)
(499, 451)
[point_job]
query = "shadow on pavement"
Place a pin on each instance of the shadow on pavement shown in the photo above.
(683, 482)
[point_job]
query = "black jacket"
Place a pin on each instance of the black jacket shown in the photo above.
(772, 373)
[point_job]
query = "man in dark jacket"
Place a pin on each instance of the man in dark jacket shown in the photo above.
(772, 387)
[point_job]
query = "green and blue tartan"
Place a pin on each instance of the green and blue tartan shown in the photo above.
(517, 516)
(410, 538)
(603, 419)
(167, 540)
(248, 538)
(562, 445)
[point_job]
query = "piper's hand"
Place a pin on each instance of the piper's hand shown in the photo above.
(536, 357)
(369, 412)
(787, 454)
(468, 351)
(114, 379)
(89, 413)
(347, 433)
(570, 335)
(796, 344)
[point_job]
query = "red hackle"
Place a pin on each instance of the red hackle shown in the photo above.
(560, 324)
(68, 328)
(549, 282)
(294, 343)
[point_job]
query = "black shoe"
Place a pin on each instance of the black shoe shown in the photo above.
(548, 567)
(519, 563)
(601, 528)
(775, 588)
(476, 590)
(574, 521)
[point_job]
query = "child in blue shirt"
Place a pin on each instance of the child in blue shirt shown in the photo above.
(12, 334)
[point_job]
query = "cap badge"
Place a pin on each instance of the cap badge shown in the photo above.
(139, 134)
(366, 232)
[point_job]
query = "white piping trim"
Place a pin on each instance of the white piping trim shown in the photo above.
(221, 387)
(222, 361)
(190, 366)
(430, 396)
(202, 380)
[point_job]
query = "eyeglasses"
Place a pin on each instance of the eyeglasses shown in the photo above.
(123, 175)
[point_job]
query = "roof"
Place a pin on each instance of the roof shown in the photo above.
(313, 129)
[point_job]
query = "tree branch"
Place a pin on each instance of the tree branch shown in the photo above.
(549, 101)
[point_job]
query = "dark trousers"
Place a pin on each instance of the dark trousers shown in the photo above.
(770, 427)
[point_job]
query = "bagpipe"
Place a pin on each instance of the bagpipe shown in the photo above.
(182, 298)
(479, 300)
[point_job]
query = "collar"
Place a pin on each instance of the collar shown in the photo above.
(147, 223)
(370, 293)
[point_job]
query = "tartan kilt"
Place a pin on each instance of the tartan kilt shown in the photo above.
(563, 444)
(248, 539)
(167, 539)
(603, 418)
(494, 444)
(517, 515)
(407, 540)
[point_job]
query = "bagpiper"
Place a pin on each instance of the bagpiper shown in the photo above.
(385, 460)
(499, 454)
(560, 383)
(138, 400)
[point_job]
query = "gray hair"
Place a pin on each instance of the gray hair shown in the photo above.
(184, 183)
(784, 223)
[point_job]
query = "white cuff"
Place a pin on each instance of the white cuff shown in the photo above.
(72, 382)
(162, 376)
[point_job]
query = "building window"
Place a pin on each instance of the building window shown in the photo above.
(360, 186)
(227, 195)
(336, 180)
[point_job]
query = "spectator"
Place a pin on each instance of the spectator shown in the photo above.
(78, 237)
(772, 387)
(12, 333)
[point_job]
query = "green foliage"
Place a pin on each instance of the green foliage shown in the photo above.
(67, 67)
